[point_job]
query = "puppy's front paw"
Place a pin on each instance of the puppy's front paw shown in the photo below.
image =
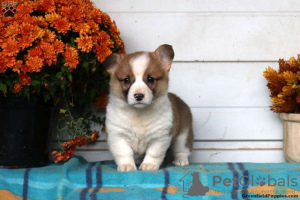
(148, 167)
(126, 168)
(181, 162)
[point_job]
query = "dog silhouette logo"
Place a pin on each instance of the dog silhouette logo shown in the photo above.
(193, 185)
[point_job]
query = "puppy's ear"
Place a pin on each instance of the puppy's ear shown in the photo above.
(111, 63)
(166, 55)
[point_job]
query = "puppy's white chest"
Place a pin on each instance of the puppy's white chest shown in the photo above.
(145, 129)
(140, 128)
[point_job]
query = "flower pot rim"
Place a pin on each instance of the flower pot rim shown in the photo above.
(292, 117)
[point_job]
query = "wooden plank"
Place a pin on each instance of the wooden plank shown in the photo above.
(196, 5)
(258, 156)
(228, 84)
(201, 145)
(238, 145)
(236, 124)
(213, 36)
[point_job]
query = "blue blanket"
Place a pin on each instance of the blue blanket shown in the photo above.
(78, 179)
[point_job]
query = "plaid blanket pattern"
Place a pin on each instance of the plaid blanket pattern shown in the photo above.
(79, 179)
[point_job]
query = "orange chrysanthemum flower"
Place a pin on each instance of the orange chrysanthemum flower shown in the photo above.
(104, 39)
(17, 67)
(41, 22)
(52, 17)
(82, 28)
(93, 26)
(71, 57)
(12, 30)
(106, 20)
(35, 64)
(114, 30)
(48, 53)
(10, 47)
(96, 16)
(85, 44)
(24, 9)
(24, 79)
(49, 36)
(37, 32)
(6, 62)
(18, 87)
(47, 6)
(34, 52)
(102, 52)
(72, 13)
(25, 41)
(26, 28)
(58, 46)
(62, 25)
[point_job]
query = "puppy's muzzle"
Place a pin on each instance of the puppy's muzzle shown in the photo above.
(139, 97)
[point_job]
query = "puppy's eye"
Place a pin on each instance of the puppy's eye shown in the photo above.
(126, 80)
(150, 79)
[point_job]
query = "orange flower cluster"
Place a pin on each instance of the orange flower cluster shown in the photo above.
(39, 32)
(101, 101)
(69, 146)
(284, 86)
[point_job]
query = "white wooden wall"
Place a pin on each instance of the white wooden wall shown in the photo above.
(221, 50)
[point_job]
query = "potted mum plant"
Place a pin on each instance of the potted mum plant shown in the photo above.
(284, 86)
(50, 54)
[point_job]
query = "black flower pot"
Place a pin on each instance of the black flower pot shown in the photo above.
(24, 132)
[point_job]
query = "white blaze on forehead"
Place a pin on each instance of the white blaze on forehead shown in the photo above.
(139, 65)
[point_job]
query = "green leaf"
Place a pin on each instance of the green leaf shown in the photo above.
(93, 93)
(46, 96)
(80, 120)
(34, 83)
(64, 69)
(62, 111)
(85, 64)
(70, 76)
(58, 74)
(3, 88)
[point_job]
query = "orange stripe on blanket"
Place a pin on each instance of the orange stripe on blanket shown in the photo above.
(7, 195)
(261, 190)
(170, 190)
(264, 170)
(290, 191)
(173, 190)
(214, 192)
(103, 190)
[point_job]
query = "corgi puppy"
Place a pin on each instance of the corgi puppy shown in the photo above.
(142, 117)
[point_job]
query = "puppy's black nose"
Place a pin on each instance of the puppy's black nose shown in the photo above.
(139, 97)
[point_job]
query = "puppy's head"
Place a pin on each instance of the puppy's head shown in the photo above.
(140, 78)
